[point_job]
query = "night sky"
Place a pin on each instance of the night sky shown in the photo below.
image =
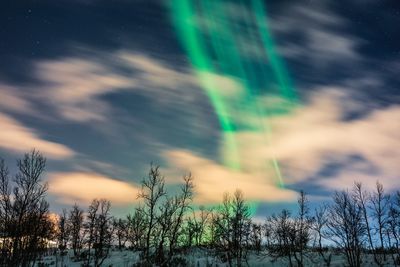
(103, 88)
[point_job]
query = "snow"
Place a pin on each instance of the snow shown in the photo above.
(202, 258)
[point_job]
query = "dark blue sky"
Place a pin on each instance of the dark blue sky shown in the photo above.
(102, 88)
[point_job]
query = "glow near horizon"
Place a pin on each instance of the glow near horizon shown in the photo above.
(215, 48)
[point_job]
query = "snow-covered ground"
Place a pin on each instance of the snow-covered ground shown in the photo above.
(202, 258)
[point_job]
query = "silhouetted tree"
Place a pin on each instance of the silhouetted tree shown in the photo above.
(289, 236)
(90, 229)
(75, 229)
(137, 229)
(62, 234)
(346, 227)
(164, 227)
(256, 236)
(363, 198)
(181, 205)
(5, 212)
(394, 227)
(302, 229)
(232, 228)
(380, 208)
(267, 228)
(283, 233)
(319, 226)
(103, 232)
(99, 231)
(26, 223)
(202, 222)
(196, 227)
(151, 193)
(121, 231)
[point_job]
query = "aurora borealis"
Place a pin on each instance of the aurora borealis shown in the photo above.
(215, 41)
(270, 97)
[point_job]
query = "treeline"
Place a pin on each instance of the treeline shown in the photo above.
(164, 227)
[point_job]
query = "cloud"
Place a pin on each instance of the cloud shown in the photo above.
(73, 86)
(347, 177)
(76, 90)
(212, 180)
(70, 187)
(76, 87)
(315, 135)
(228, 87)
(16, 137)
(320, 34)
(154, 74)
(303, 32)
(12, 100)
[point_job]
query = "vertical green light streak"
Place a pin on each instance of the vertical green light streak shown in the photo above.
(276, 63)
(184, 21)
(217, 44)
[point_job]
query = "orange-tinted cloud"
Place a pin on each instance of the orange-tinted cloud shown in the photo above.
(16, 137)
(70, 187)
(212, 180)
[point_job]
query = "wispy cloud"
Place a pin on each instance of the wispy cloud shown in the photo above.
(212, 180)
(82, 187)
(316, 135)
(74, 86)
(303, 32)
(16, 137)
(320, 35)
(13, 100)
(305, 141)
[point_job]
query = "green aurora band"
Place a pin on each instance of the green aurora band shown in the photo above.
(231, 39)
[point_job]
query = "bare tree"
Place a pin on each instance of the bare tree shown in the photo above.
(151, 193)
(204, 219)
(289, 236)
(196, 227)
(62, 234)
(256, 236)
(182, 205)
(303, 225)
(394, 228)
(103, 232)
(25, 212)
(346, 227)
(121, 231)
(62, 231)
(190, 231)
(232, 228)
(363, 198)
(283, 233)
(99, 231)
(5, 212)
(267, 228)
(163, 229)
(137, 229)
(163, 226)
(319, 226)
(75, 229)
(90, 228)
(380, 209)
